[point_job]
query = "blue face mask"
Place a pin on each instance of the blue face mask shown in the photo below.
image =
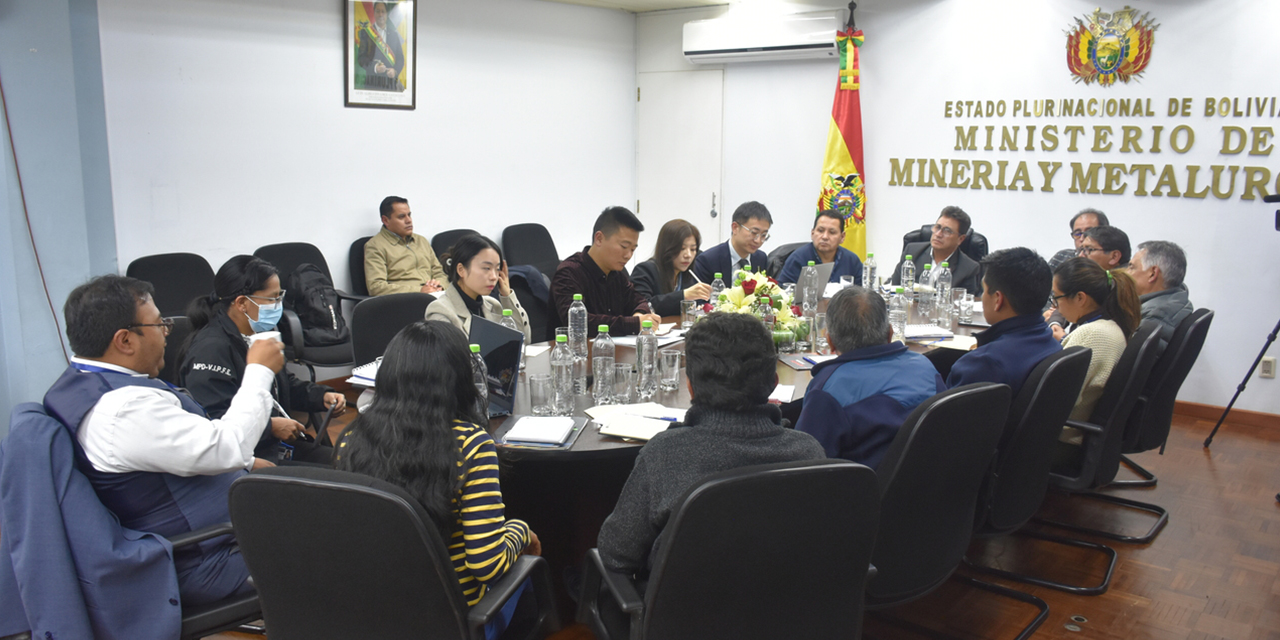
(268, 316)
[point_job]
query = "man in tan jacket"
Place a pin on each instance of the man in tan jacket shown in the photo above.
(397, 260)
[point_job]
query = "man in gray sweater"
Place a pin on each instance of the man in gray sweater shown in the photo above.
(1158, 268)
(731, 370)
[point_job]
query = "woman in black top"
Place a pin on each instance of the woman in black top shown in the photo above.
(665, 279)
(247, 299)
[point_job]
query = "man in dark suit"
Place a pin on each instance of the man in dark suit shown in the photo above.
(949, 232)
(749, 230)
(381, 53)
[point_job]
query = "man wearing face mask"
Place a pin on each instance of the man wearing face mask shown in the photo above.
(246, 300)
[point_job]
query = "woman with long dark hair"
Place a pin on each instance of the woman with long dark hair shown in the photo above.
(247, 299)
(475, 268)
(1103, 309)
(665, 279)
(420, 434)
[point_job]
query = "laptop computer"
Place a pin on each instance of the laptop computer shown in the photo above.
(502, 349)
(824, 275)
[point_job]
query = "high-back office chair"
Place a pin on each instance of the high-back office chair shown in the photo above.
(1148, 425)
(286, 257)
(930, 480)
(443, 241)
(728, 565)
(542, 319)
(172, 345)
(377, 320)
(178, 279)
(974, 245)
(1093, 464)
(355, 264)
(47, 579)
(393, 577)
(530, 243)
(778, 257)
(1016, 486)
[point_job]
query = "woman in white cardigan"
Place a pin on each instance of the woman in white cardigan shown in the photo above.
(475, 268)
(1103, 309)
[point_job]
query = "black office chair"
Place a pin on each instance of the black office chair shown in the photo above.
(1016, 486)
(178, 278)
(441, 242)
(393, 577)
(355, 264)
(198, 621)
(1083, 469)
(930, 480)
(286, 257)
(1148, 426)
(530, 243)
(974, 245)
(778, 257)
(731, 564)
(172, 345)
(377, 320)
(542, 319)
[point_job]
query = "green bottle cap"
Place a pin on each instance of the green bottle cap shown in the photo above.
(566, 338)
(898, 290)
(577, 296)
(475, 348)
(909, 257)
(928, 267)
(506, 313)
(945, 264)
(870, 255)
(811, 263)
(719, 275)
(604, 328)
(647, 324)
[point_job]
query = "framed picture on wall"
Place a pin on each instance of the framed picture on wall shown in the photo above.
(380, 53)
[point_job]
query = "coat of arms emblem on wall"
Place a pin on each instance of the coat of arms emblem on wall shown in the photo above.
(1110, 46)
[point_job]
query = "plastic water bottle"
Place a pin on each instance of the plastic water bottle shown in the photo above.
(578, 326)
(717, 288)
(509, 322)
(898, 314)
(480, 375)
(943, 284)
(562, 376)
(908, 278)
(602, 359)
(809, 289)
(924, 293)
(647, 360)
(869, 273)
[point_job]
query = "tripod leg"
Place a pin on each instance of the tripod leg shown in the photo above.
(1271, 338)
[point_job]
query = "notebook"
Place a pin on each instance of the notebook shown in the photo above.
(501, 349)
(824, 274)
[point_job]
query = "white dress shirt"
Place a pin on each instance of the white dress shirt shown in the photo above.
(139, 428)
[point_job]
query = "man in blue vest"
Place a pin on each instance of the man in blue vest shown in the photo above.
(151, 454)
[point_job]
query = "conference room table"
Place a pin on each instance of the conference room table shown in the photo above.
(566, 494)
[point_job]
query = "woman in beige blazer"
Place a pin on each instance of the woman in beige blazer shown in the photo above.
(475, 268)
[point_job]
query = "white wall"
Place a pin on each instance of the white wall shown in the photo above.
(921, 53)
(227, 127)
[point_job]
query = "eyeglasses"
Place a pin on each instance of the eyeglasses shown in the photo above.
(1078, 233)
(1053, 300)
(761, 236)
(1088, 251)
(270, 300)
(945, 232)
(166, 325)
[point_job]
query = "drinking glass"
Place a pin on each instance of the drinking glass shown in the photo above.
(560, 331)
(784, 340)
(540, 393)
(686, 313)
(818, 334)
(942, 312)
(669, 360)
(957, 295)
(803, 335)
(623, 383)
(966, 308)
(846, 282)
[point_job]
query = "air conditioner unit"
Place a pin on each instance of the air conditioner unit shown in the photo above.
(789, 37)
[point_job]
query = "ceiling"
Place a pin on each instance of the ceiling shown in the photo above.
(641, 6)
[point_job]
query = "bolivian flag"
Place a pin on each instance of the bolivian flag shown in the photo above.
(842, 179)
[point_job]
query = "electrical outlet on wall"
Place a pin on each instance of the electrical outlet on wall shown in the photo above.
(1268, 368)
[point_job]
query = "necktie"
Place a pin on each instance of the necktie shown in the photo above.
(741, 264)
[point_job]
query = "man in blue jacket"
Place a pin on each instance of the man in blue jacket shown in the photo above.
(856, 403)
(1015, 284)
(827, 235)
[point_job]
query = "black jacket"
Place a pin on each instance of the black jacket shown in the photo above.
(212, 369)
(965, 272)
(645, 280)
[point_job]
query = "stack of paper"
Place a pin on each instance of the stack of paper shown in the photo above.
(634, 427)
(634, 421)
(927, 331)
(540, 430)
(365, 374)
(671, 337)
(783, 393)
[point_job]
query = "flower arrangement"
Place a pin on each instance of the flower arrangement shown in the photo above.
(749, 295)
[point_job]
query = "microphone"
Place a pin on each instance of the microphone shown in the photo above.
(1271, 199)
